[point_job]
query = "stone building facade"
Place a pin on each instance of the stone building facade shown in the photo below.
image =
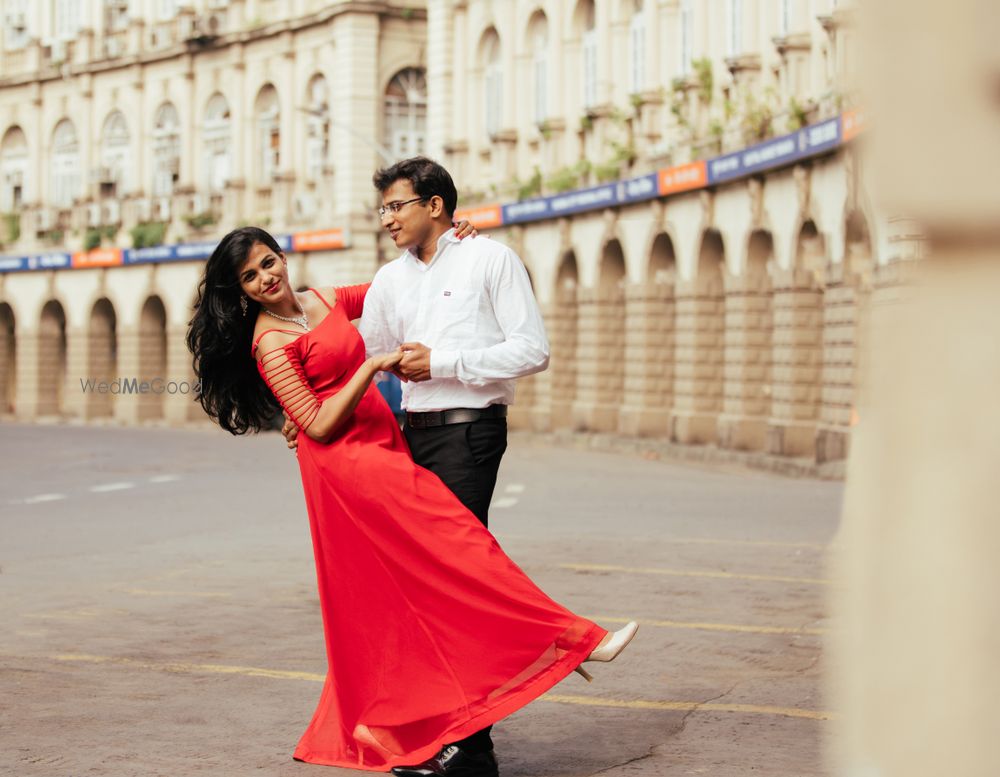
(681, 179)
(135, 134)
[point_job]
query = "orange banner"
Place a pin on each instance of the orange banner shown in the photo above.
(318, 240)
(98, 257)
(852, 123)
(683, 178)
(481, 216)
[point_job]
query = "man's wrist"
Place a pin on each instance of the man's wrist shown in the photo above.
(444, 364)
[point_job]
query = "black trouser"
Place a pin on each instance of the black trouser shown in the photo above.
(466, 457)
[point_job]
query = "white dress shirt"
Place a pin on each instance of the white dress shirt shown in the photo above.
(472, 305)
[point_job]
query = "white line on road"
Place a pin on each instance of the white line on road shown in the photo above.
(34, 500)
(515, 488)
(103, 489)
(504, 501)
(164, 478)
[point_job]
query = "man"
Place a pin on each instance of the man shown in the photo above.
(468, 323)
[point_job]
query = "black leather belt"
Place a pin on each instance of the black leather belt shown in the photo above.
(458, 415)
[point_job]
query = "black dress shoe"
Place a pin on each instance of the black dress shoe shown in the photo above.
(453, 761)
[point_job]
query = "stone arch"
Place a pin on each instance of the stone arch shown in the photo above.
(698, 378)
(602, 343)
(845, 300)
(152, 357)
(797, 347)
(8, 359)
(562, 326)
(746, 400)
(102, 357)
(52, 356)
(649, 344)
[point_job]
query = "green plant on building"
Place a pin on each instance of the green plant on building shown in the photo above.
(703, 75)
(530, 188)
(566, 178)
(586, 122)
(12, 227)
(54, 236)
(201, 220)
(757, 120)
(148, 234)
(798, 117)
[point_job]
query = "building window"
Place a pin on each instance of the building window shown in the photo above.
(317, 128)
(217, 136)
(735, 42)
(65, 174)
(167, 9)
(115, 15)
(589, 57)
(15, 17)
(166, 150)
(13, 169)
(637, 50)
(113, 170)
(268, 133)
(493, 83)
(784, 16)
(66, 14)
(687, 36)
(539, 41)
(406, 114)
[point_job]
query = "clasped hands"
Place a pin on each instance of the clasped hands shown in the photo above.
(411, 361)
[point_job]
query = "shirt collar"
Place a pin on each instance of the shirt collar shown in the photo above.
(443, 241)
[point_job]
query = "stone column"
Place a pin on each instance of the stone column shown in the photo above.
(649, 360)
(74, 400)
(698, 360)
(126, 405)
(843, 300)
(562, 323)
(100, 343)
(747, 362)
(600, 359)
(177, 408)
(27, 385)
(797, 362)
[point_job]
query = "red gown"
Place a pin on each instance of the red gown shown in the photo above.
(432, 632)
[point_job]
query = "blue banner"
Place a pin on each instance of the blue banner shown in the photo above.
(806, 142)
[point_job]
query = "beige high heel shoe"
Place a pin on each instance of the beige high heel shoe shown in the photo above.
(613, 644)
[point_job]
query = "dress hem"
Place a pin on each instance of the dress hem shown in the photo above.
(504, 706)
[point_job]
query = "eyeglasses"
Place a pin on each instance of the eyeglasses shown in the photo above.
(395, 207)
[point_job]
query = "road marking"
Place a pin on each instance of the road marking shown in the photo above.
(180, 668)
(711, 626)
(515, 488)
(751, 543)
(164, 478)
(692, 573)
(685, 706)
(34, 500)
(107, 487)
(147, 592)
(587, 701)
(504, 501)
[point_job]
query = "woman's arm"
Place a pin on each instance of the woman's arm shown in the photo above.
(319, 419)
(335, 410)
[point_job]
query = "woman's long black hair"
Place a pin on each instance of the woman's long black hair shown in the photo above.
(220, 337)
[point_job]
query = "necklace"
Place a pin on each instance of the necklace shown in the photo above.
(302, 321)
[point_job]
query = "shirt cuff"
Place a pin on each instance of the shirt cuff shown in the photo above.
(444, 364)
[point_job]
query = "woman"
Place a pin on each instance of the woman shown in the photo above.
(421, 651)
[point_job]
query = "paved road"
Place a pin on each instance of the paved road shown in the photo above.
(159, 612)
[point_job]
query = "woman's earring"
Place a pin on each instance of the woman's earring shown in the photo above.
(243, 304)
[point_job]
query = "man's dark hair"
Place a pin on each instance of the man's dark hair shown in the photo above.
(426, 175)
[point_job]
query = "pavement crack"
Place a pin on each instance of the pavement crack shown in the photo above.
(653, 748)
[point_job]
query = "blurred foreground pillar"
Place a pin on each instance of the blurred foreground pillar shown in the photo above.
(915, 666)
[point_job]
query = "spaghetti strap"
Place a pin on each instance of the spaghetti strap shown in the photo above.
(328, 305)
(256, 342)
